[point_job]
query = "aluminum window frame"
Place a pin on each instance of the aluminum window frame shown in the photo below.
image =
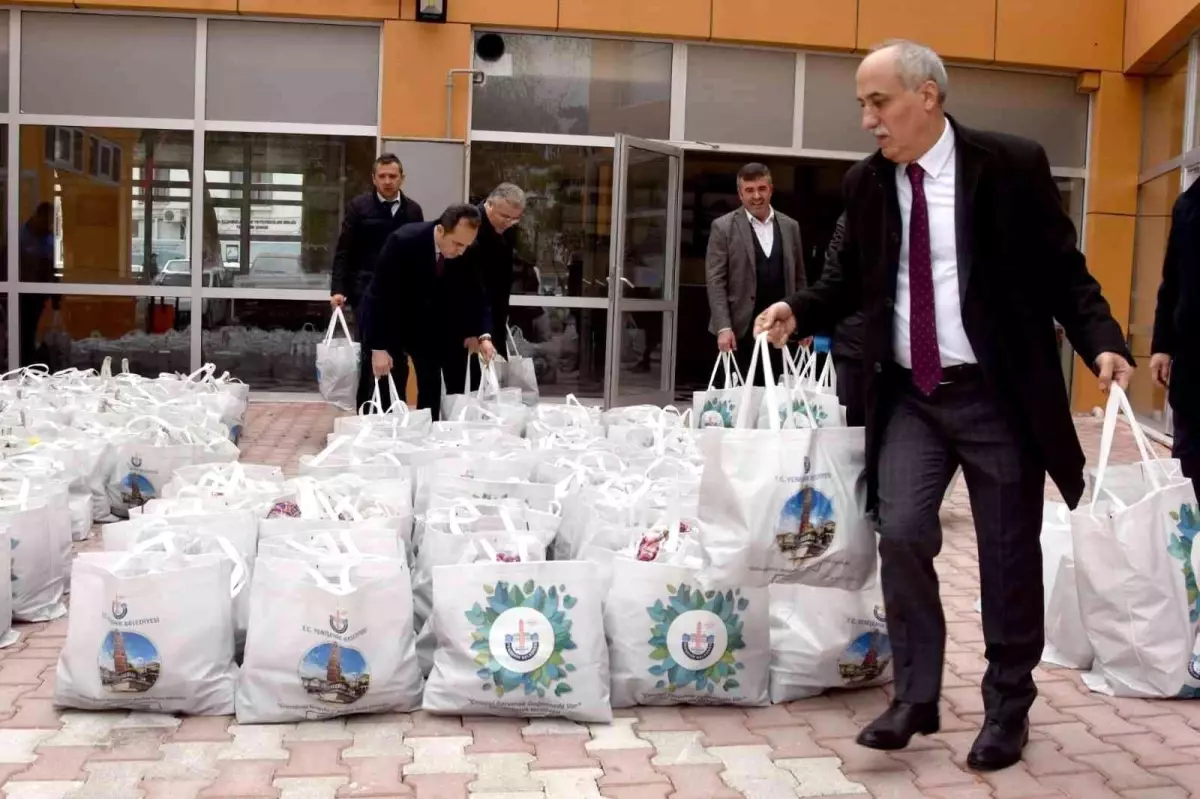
(11, 117)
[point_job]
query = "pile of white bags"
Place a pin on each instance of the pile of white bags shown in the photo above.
(38, 518)
(1136, 573)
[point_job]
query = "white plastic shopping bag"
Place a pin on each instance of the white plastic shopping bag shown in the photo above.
(1067, 643)
(799, 407)
(786, 506)
(158, 637)
(1134, 566)
(329, 639)
(338, 365)
(718, 407)
(39, 527)
(8, 636)
(518, 372)
(824, 638)
(519, 639)
(673, 642)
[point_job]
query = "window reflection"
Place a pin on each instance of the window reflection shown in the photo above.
(567, 346)
(277, 203)
(81, 331)
(270, 344)
(103, 205)
(563, 239)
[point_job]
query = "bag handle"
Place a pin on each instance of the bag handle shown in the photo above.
(1118, 403)
(338, 317)
(344, 586)
(760, 352)
(510, 343)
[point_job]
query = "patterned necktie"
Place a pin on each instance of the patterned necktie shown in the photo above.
(922, 319)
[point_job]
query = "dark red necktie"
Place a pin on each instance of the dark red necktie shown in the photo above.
(922, 318)
(441, 264)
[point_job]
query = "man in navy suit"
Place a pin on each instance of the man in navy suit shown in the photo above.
(370, 218)
(411, 303)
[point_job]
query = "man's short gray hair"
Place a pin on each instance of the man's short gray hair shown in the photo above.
(509, 193)
(916, 64)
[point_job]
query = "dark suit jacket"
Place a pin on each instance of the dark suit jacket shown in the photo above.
(490, 258)
(848, 338)
(1177, 318)
(732, 274)
(1018, 271)
(408, 307)
(365, 227)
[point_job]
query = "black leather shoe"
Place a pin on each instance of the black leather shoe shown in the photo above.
(898, 724)
(998, 746)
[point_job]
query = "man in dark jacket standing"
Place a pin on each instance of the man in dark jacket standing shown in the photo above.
(492, 257)
(957, 250)
(370, 218)
(1175, 360)
(414, 304)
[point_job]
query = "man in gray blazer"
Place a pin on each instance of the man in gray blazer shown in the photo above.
(754, 258)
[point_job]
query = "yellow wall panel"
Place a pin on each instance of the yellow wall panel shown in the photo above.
(803, 23)
(416, 59)
(1110, 259)
(1116, 145)
(1155, 29)
(685, 18)
(205, 6)
(519, 14)
(962, 29)
(340, 9)
(1032, 32)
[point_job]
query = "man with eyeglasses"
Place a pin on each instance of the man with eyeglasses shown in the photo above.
(489, 272)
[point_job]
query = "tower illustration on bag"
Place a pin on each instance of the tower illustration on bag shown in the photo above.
(333, 672)
(128, 662)
(806, 525)
(136, 488)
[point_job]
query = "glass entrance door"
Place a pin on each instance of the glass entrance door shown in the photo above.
(643, 292)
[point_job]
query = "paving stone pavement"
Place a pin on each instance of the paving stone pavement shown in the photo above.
(1082, 745)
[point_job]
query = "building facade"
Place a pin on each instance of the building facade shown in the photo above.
(146, 136)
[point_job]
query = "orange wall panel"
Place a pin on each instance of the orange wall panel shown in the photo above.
(963, 29)
(1032, 32)
(416, 59)
(685, 18)
(1155, 29)
(804, 23)
(1110, 260)
(340, 9)
(1116, 145)
(518, 14)
(206, 6)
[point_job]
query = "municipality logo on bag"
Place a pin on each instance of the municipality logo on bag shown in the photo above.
(129, 662)
(331, 671)
(695, 636)
(869, 653)
(136, 488)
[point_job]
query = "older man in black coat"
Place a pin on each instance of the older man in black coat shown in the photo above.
(961, 258)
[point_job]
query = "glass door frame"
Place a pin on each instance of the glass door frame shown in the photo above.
(618, 304)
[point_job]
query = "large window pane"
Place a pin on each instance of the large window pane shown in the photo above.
(108, 65)
(64, 331)
(1155, 201)
(1164, 107)
(563, 243)
(4, 200)
(1045, 108)
(269, 344)
(291, 72)
(104, 205)
(740, 96)
(3, 332)
(558, 84)
(567, 347)
(276, 204)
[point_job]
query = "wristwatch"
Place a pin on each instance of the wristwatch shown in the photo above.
(486, 337)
